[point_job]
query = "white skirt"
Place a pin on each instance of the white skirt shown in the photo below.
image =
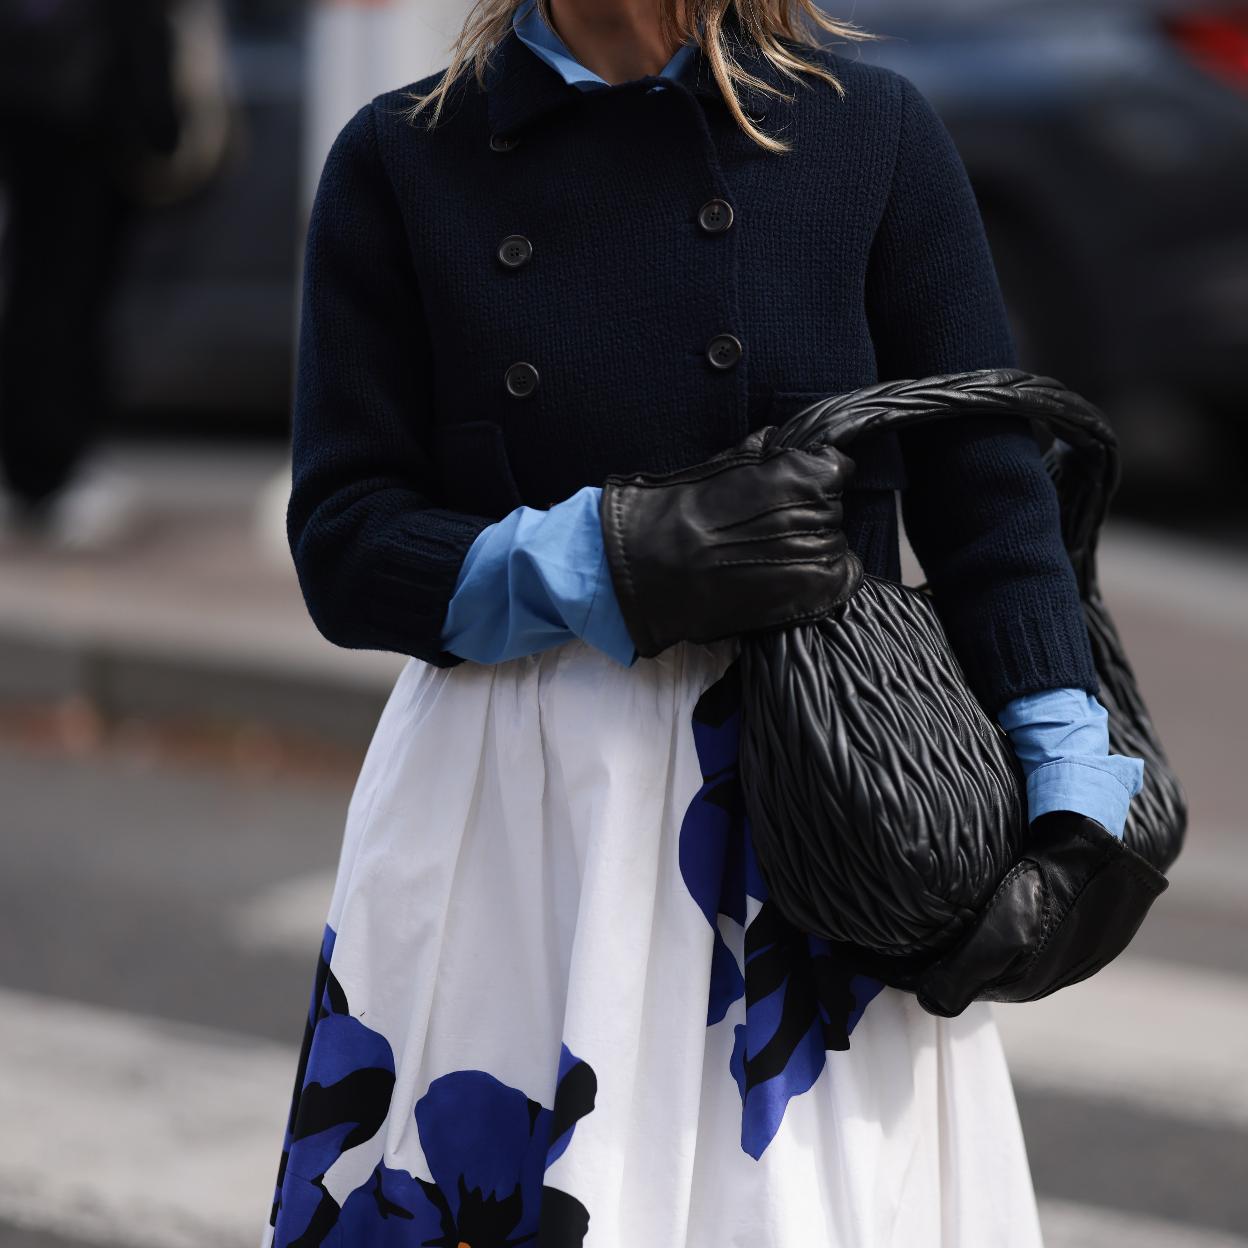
(554, 1007)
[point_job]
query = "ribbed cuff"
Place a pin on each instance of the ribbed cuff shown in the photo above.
(1036, 646)
(415, 578)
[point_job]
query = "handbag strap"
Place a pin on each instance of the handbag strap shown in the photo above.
(1083, 461)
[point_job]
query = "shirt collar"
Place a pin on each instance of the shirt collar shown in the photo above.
(533, 31)
(522, 86)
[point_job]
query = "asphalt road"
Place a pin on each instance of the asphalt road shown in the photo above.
(162, 922)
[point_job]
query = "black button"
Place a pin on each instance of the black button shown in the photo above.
(723, 350)
(715, 216)
(521, 380)
(502, 142)
(514, 250)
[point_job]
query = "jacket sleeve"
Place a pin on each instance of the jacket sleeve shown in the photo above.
(980, 510)
(376, 555)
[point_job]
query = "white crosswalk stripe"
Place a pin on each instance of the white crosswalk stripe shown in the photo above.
(1114, 1037)
(1078, 1226)
(288, 918)
(136, 1131)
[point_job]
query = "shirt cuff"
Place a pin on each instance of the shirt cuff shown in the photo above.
(1100, 788)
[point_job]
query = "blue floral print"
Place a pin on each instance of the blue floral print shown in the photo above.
(487, 1145)
(802, 997)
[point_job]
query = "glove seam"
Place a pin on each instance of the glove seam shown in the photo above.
(1135, 862)
(612, 494)
(819, 559)
(921, 992)
(698, 472)
(786, 505)
(714, 466)
(771, 537)
(623, 550)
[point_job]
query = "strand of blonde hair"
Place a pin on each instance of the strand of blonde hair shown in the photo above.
(770, 23)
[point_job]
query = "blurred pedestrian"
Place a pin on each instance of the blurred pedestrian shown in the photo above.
(86, 97)
(555, 1004)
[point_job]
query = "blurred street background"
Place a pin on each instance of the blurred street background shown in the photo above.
(178, 744)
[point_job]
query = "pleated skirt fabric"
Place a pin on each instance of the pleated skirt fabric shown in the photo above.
(554, 1006)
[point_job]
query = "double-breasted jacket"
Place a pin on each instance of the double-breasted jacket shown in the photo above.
(552, 285)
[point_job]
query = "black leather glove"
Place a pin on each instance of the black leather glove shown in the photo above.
(1069, 906)
(749, 539)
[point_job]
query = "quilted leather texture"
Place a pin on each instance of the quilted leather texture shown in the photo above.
(887, 806)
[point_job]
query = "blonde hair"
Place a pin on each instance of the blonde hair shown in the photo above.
(765, 21)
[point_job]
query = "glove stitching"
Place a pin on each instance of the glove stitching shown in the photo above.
(924, 998)
(1070, 908)
(771, 537)
(615, 503)
(1135, 862)
(712, 468)
(737, 563)
(766, 511)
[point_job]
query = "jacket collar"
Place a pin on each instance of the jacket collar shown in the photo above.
(521, 87)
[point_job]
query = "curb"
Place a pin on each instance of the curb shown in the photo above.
(336, 705)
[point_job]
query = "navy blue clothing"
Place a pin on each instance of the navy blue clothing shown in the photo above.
(537, 578)
(857, 256)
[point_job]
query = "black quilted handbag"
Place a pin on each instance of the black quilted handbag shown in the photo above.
(888, 809)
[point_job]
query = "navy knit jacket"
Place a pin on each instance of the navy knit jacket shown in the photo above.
(858, 256)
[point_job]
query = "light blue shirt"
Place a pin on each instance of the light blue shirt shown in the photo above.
(534, 579)
(537, 578)
(1061, 737)
(532, 30)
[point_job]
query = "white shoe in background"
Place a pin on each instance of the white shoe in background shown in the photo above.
(269, 519)
(94, 513)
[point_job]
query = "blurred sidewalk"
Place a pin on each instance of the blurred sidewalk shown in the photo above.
(196, 612)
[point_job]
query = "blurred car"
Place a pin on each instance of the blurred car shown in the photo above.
(1107, 141)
